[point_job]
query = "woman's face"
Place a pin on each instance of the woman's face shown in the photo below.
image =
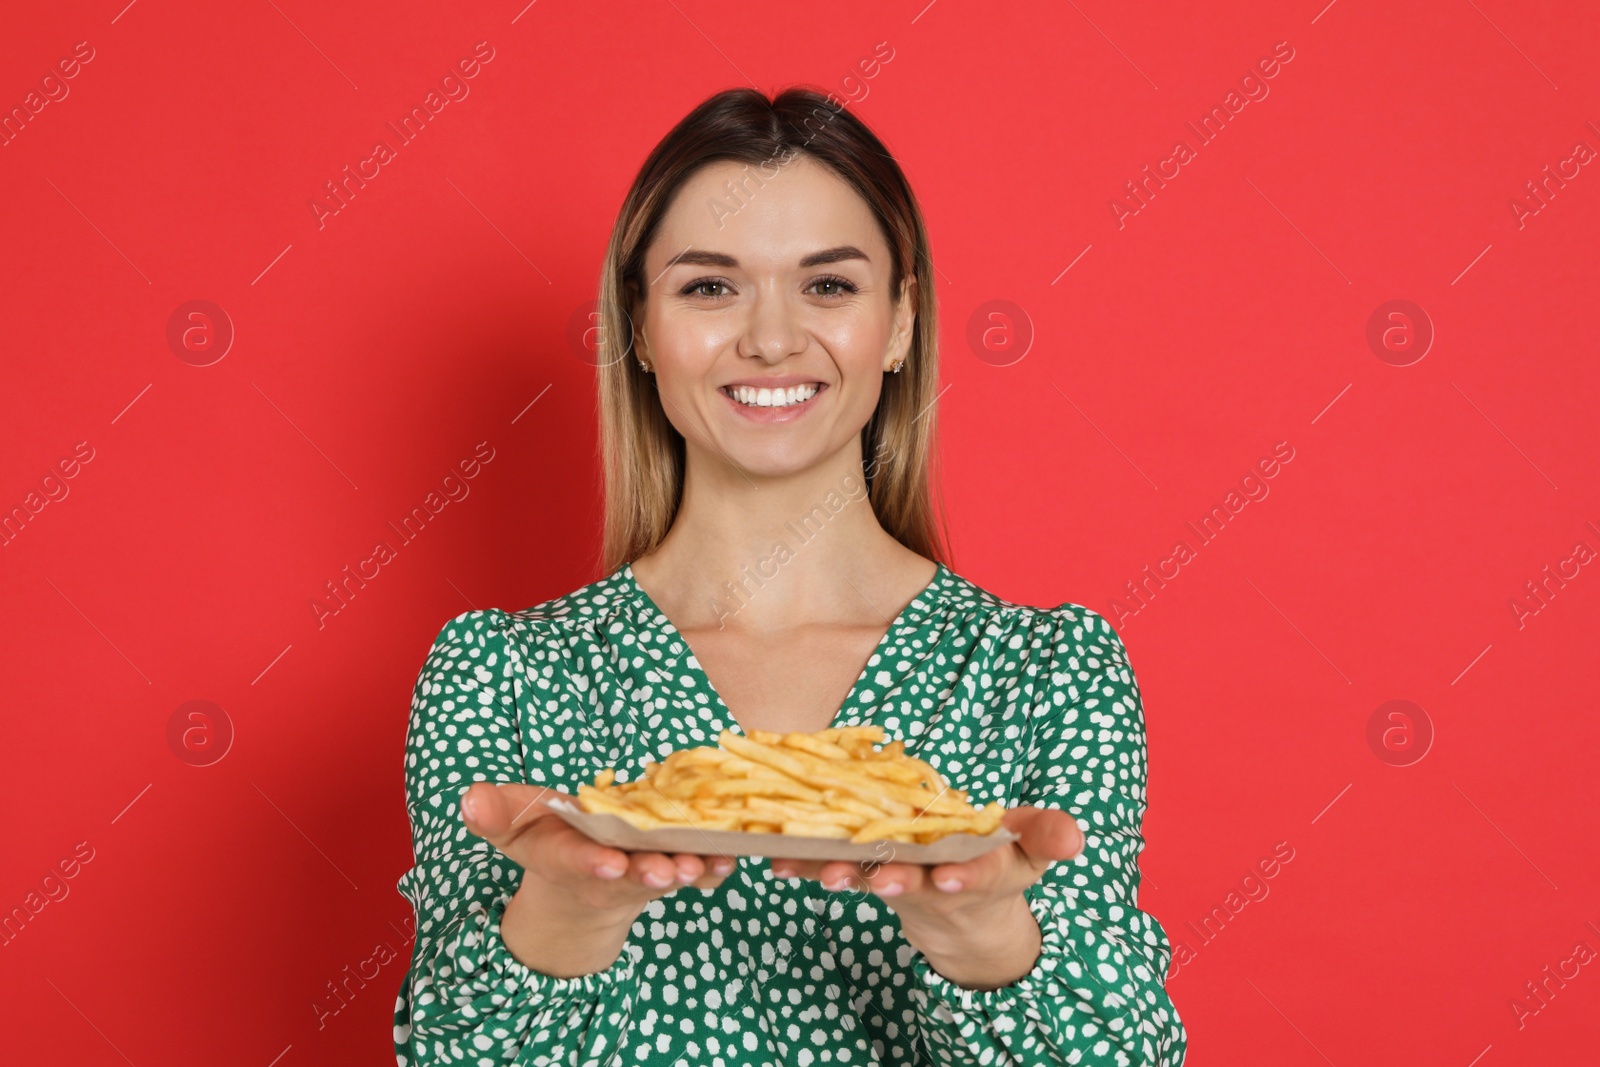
(783, 287)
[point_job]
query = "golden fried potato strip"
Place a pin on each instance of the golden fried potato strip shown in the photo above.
(834, 783)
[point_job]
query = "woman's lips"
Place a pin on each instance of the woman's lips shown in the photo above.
(786, 413)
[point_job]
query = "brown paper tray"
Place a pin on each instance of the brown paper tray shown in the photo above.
(617, 832)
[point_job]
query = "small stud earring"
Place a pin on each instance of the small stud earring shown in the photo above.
(644, 366)
(894, 367)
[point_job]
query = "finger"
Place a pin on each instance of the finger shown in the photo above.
(559, 851)
(979, 875)
(884, 879)
(497, 811)
(1046, 834)
(588, 856)
(840, 875)
(717, 868)
(690, 867)
(505, 814)
(897, 879)
(653, 870)
(786, 868)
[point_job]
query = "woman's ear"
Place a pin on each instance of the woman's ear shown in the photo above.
(636, 333)
(905, 319)
(632, 301)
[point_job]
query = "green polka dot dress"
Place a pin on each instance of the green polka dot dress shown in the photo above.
(1018, 704)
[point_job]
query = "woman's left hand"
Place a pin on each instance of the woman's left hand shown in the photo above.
(955, 894)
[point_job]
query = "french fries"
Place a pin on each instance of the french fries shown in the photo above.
(833, 783)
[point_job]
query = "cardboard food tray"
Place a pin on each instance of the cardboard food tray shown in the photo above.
(617, 832)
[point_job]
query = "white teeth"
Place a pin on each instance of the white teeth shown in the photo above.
(772, 398)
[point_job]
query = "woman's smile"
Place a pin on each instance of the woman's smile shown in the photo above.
(773, 403)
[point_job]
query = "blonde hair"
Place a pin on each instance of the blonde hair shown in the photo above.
(642, 454)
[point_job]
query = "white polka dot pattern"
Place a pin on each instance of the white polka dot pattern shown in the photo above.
(1012, 703)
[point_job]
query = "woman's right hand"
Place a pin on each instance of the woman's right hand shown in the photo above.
(569, 871)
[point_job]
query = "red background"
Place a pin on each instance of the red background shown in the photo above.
(373, 353)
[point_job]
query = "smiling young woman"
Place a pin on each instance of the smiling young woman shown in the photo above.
(768, 323)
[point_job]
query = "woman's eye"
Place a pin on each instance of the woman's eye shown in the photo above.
(841, 286)
(714, 288)
(694, 288)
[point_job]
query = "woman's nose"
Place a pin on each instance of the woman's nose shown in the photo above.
(772, 331)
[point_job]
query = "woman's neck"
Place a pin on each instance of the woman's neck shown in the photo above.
(766, 554)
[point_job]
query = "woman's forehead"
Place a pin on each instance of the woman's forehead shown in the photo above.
(767, 217)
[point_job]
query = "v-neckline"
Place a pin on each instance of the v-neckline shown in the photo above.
(913, 612)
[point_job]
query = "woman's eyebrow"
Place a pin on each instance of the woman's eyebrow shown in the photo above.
(834, 255)
(722, 259)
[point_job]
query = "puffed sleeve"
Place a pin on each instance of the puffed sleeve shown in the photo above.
(466, 999)
(1096, 995)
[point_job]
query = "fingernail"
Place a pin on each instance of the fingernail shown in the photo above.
(685, 877)
(783, 872)
(893, 889)
(609, 871)
(949, 885)
(720, 867)
(469, 806)
(838, 884)
(657, 881)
